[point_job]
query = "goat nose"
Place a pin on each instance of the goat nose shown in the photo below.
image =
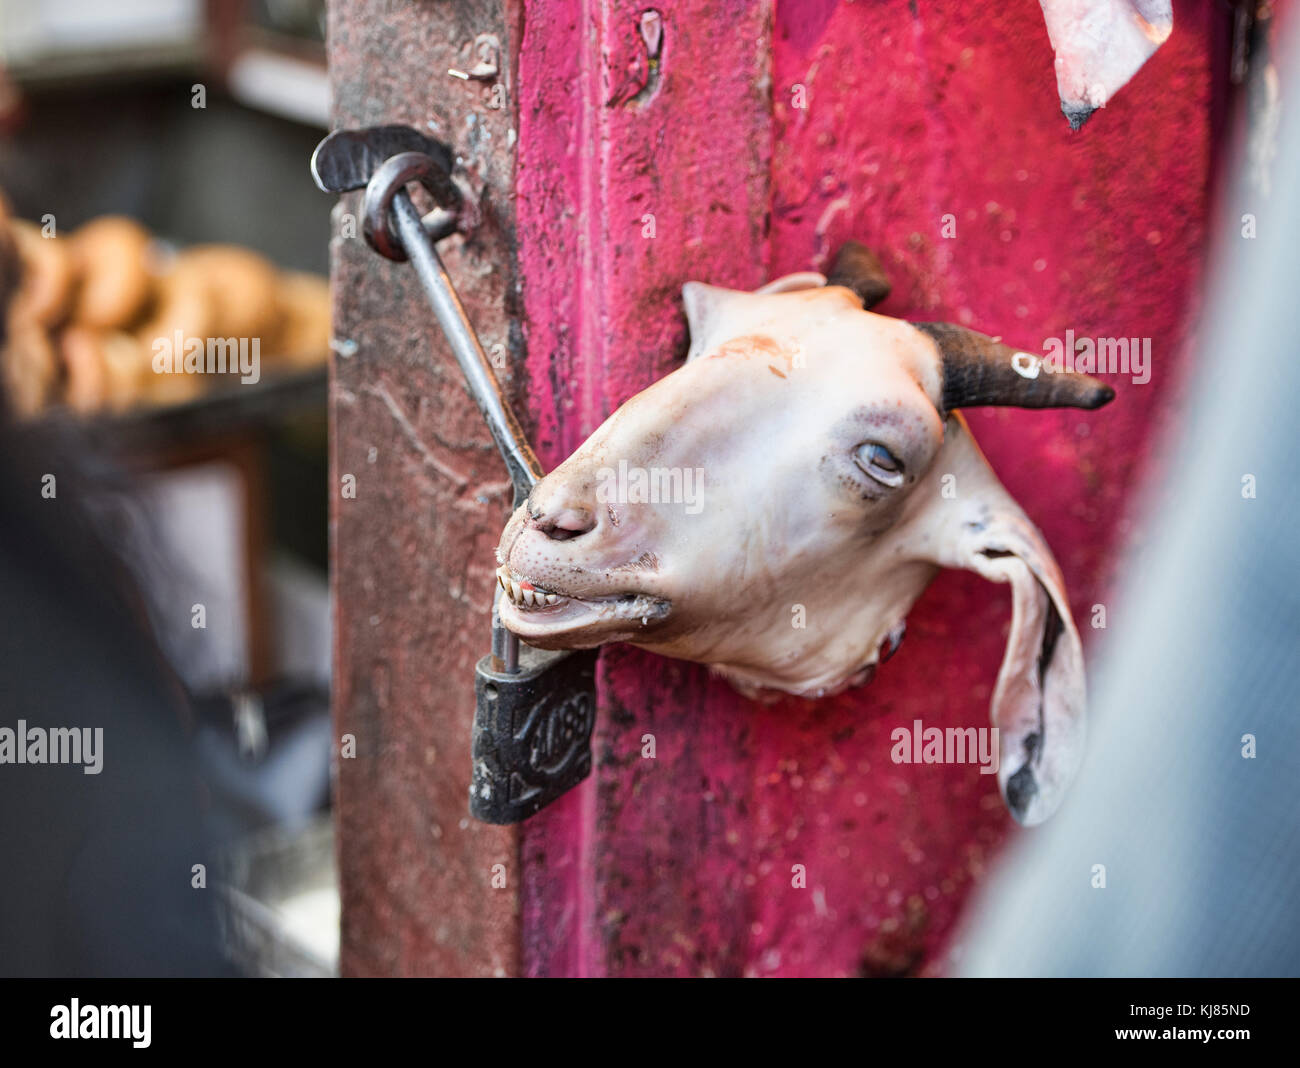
(561, 524)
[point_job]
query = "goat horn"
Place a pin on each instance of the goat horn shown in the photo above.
(857, 268)
(980, 371)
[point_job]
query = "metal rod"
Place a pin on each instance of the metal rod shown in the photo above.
(521, 464)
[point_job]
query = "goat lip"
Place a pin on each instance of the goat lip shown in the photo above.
(533, 598)
(536, 613)
(575, 624)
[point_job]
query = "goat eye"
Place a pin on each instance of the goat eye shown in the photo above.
(881, 464)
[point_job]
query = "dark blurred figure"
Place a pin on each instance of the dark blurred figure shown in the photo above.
(96, 870)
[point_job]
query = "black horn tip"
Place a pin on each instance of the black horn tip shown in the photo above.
(1076, 114)
(857, 268)
(1100, 397)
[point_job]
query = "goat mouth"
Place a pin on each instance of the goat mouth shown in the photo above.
(530, 603)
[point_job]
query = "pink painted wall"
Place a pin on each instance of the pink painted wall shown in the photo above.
(682, 865)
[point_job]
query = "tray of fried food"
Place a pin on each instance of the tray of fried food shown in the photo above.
(109, 318)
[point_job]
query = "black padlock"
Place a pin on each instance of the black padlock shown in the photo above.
(532, 731)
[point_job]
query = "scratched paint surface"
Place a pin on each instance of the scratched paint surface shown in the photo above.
(683, 864)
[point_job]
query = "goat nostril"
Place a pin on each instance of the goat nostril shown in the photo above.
(565, 525)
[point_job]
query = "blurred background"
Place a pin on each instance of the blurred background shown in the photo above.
(153, 154)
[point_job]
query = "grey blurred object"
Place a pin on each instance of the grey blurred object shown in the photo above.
(1201, 845)
(266, 756)
(281, 890)
(265, 751)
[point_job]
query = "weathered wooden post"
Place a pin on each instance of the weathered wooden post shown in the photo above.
(418, 493)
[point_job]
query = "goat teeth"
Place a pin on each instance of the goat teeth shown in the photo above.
(524, 593)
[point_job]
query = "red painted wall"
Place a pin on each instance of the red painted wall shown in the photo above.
(682, 864)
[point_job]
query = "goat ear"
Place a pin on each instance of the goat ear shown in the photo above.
(1039, 700)
(714, 314)
(709, 313)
